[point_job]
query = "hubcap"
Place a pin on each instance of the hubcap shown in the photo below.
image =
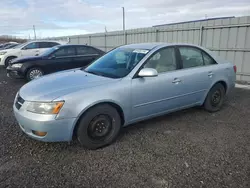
(216, 98)
(35, 74)
(100, 127)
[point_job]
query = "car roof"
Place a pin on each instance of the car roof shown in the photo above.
(62, 45)
(56, 41)
(150, 46)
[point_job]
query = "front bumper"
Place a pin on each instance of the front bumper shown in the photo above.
(1, 60)
(14, 72)
(57, 129)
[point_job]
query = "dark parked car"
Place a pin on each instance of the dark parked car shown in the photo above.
(58, 58)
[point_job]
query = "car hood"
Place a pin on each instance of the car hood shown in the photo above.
(50, 87)
(10, 50)
(26, 59)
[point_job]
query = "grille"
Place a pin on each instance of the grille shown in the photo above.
(19, 102)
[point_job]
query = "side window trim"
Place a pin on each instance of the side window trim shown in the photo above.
(87, 55)
(197, 48)
(178, 64)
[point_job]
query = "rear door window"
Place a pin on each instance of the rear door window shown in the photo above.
(194, 57)
(85, 50)
(191, 57)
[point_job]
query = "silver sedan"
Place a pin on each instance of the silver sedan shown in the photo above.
(129, 84)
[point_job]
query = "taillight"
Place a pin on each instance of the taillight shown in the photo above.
(235, 68)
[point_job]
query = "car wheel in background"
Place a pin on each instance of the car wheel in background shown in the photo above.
(215, 98)
(34, 73)
(98, 127)
(8, 60)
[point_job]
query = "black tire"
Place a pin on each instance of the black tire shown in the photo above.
(29, 76)
(7, 61)
(215, 98)
(89, 127)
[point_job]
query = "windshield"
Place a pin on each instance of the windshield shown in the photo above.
(49, 51)
(117, 63)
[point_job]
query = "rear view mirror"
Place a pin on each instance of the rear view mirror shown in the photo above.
(148, 72)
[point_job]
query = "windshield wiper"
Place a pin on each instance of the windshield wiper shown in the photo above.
(95, 73)
(101, 74)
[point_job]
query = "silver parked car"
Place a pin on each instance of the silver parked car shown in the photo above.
(129, 84)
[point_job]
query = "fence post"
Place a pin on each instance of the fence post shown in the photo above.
(201, 32)
(105, 42)
(90, 40)
(125, 37)
(156, 35)
(78, 39)
(68, 40)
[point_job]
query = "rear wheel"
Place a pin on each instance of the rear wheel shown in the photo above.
(8, 60)
(99, 127)
(34, 73)
(215, 98)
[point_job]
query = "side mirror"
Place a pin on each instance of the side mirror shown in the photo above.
(148, 72)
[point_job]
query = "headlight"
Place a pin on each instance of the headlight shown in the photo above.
(45, 107)
(18, 65)
(2, 53)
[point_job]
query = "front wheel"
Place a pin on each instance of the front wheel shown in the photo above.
(8, 60)
(99, 127)
(34, 73)
(215, 98)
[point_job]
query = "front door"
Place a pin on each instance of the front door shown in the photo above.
(155, 95)
(31, 49)
(62, 59)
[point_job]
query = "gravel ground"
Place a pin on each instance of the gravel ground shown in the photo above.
(191, 148)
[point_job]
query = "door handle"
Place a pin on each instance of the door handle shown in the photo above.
(176, 81)
(210, 74)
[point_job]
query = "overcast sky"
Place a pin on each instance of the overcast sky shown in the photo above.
(70, 17)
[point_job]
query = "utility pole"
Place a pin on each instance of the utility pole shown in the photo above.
(123, 16)
(34, 28)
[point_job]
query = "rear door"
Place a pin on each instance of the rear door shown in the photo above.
(196, 75)
(85, 55)
(62, 59)
(43, 46)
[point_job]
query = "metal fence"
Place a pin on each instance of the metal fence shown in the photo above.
(228, 38)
